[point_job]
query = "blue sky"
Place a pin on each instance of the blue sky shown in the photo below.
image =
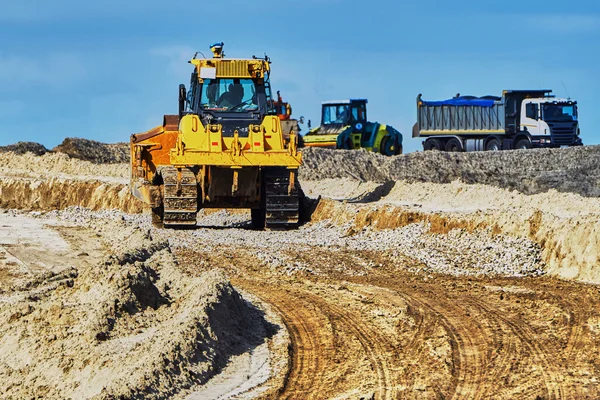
(104, 70)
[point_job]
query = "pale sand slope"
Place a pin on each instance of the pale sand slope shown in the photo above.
(565, 225)
(101, 310)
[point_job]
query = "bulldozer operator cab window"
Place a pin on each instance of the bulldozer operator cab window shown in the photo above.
(231, 95)
(335, 114)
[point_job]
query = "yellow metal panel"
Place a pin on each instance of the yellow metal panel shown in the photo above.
(257, 140)
(194, 134)
(216, 141)
(325, 145)
(230, 68)
(233, 69)
(272, 132)
(381, 133)
(246, 159)
(356, 140)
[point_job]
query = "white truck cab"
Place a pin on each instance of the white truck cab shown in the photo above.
(549, 120)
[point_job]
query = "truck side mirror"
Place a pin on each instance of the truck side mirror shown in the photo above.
(309, 124)
(537, 112)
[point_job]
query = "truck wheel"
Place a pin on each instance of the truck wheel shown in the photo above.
(454, 145)
(523, 144)
(389, 147)
(492, 145)
(432, 144)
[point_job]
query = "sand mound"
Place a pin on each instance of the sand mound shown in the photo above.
(83, 149)
(96, 152)
(132, 326)
(59, 165)
(575, 169)
(25, 147)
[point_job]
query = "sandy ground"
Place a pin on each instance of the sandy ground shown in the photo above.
(97, 308)
(393, 290)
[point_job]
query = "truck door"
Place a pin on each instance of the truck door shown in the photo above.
(530, 118)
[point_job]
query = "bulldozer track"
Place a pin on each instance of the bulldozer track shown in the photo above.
(180, 197)
(282, 205)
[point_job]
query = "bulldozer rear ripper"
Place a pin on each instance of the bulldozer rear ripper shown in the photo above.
(225, 149)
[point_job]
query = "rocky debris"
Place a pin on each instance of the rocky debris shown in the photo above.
(93, 151)
(456, 253)
(575, 169)
(25, 147)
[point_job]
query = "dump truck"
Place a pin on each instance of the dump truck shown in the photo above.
(519, 119)
(225, 149)
(344, 125)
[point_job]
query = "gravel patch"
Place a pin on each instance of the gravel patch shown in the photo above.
(575, 169)
(458, 253)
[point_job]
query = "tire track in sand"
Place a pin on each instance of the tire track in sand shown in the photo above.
(313, 365)
(309, 363)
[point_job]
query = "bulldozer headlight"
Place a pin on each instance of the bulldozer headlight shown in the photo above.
(214, 128)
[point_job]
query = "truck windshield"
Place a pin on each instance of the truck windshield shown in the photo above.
(560, 112)
(335, 114)
(231, 95)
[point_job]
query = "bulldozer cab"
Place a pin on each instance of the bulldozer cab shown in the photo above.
(232, 92)
(344, 112)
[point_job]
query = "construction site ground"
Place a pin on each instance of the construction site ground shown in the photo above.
(392, 290)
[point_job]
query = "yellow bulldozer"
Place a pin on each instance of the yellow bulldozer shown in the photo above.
(225, 149)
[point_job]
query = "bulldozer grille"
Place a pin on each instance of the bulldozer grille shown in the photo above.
(233, 69)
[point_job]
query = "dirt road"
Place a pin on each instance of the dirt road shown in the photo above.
(384, 332)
